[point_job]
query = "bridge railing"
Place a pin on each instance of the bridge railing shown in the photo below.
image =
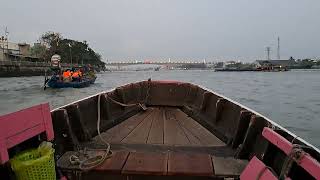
(159, 62)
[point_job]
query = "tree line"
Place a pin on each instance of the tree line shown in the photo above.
(70, 50)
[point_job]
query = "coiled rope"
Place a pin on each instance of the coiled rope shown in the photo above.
(96, 160)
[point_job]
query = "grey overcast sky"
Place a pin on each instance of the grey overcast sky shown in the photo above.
(148, 29)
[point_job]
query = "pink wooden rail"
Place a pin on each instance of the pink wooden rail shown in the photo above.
(23, 125)
(307, 162)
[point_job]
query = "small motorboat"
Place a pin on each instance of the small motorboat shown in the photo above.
(58, 80)
(162, 130)
(55, 82)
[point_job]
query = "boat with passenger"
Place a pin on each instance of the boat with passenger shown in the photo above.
(160, 130)
(74, 78)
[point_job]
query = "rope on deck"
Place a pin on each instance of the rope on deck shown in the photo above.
(92, 162)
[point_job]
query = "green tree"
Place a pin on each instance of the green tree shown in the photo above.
(51, 41)
(38, 50)
(68, 49)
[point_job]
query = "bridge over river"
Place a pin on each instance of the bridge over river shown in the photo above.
(161, 63)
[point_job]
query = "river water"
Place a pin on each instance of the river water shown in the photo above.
(291, 98)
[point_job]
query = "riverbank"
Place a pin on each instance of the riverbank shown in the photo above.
(26, 68)
(17, 71)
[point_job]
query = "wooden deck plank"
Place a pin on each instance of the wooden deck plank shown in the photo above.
(157, 129)
(194, 141)
(115, 163)
(189, 164)
(139, 135)
(228, 166)
(120, 131)
(173, 133)
(146, 163)
(206, 137)
(169, 126)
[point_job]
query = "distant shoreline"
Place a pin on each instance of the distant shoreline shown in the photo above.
(25, 68)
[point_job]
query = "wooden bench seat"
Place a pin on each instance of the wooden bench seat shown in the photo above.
(189, 164)
(228, 166)
(115, 163)
(146, 164)
(125, 163)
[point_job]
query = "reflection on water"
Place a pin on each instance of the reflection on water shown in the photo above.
(289, 98)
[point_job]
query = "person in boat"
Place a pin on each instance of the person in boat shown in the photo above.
(55, 64)
(89, 71)
(76, 75)
(67, 75)
(80, 73)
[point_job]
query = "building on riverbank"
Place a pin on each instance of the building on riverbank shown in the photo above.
(10, 51)
(274, 64)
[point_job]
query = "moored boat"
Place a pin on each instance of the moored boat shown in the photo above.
(173, 130)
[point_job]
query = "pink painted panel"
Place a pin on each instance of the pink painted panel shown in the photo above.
(47, 121)
(307, 162)
(4, 156)
(277, 140)
(22, 125)
(311, 165)
(18, 121)
(253, 170)
(26, 134)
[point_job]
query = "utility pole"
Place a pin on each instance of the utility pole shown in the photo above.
(6, 34)
(70, 53)
(268, 49)
(278, 50)
(2, 40)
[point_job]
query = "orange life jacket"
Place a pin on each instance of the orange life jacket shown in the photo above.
(75, 75)
(66, 74)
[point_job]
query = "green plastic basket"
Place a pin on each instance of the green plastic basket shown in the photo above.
(35, 164)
